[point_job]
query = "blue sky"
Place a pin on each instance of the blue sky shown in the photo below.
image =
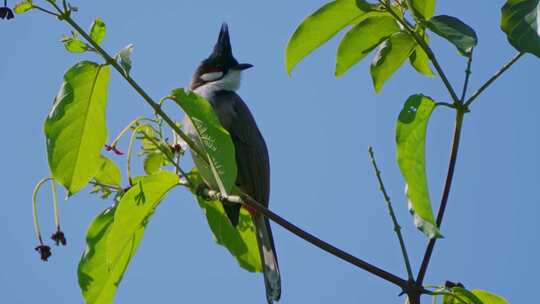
(318, 129)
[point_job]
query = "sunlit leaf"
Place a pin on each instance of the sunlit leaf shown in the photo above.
(74, 45)
(318, 28)
(488, 298)
(98, 280)
(23, 7)
(153, 162)
(423, 9)
(98, 31)
(521, 23)
(213, 139)
(241, 241)
(134, 210)
(411, 141)
(362, 39)
(109, 173)
(391, 55)
(75, 128)
(454, 30)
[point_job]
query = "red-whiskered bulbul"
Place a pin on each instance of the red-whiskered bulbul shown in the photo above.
(216, 79)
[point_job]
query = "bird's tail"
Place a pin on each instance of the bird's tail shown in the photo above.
(272, 279)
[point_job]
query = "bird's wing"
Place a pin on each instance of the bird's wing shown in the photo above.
(251, 152)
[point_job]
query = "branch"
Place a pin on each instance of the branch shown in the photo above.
(446, 192)
(397, 227)
(505, 67)
(347, 257)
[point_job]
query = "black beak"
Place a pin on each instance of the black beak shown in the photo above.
(242, 66)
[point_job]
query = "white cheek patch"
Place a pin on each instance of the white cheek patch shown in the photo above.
(211, 76)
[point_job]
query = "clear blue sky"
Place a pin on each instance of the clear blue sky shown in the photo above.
(318, 129)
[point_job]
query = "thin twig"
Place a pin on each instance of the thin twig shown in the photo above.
(110, 187)
(493, 78)
(446, 192)
(467, 76)
(397, 227)
(45, 10)
(34, 207)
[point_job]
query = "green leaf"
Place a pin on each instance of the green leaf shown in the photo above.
(123, 57)
(420, 60)
(465, 295)
(98, 31)
(318, 28)
(520, 22)
(411, 141)
(488, 297)
(220, 168)
(241, 241)
(362, 39)
(422, 9)
(391, 55)
(455, 31)
(75, 128)
(153, 163)
(23, 7)
(98, 280)
(74, 45)
(109, 173)
(134, 210)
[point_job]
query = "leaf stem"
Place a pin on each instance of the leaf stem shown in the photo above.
(505, 67)
(397, 227)
(34, 207)
(460, 113)
(55, 205)
(110, 187)
(467, 76)
(133, 123)
(45, 10)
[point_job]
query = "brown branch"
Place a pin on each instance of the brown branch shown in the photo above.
(445, 195)
(347, 257)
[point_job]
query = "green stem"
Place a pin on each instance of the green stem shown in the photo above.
(397, 227)
(134, 122)
(34, 207)
(55, 205)
(45, 10)
(467, 76)
(494, 77)
(110, 187)
(130, 152)
(169, 158)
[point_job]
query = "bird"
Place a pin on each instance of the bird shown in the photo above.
(217, 79)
